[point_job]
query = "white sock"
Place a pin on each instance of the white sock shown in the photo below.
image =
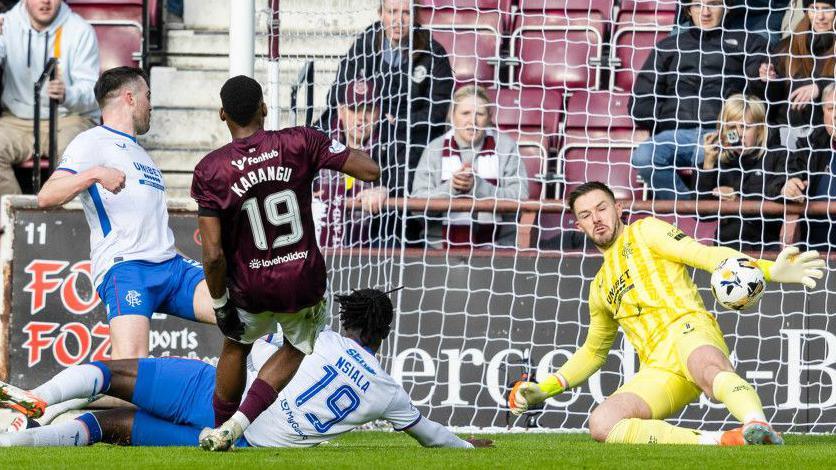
(242, 421)
(710, 438)
(53, 411)
(82, 381)
(754, 417)
(69, 433)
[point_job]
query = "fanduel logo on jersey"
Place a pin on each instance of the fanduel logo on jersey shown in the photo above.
(242, 163)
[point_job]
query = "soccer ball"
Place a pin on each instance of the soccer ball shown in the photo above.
(737, 283)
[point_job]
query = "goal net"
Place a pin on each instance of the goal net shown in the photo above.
(495, 282)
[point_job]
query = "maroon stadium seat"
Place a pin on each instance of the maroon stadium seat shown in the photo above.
(527, 110)
(639, 26)
(122, 10)
(648, 12)
(600, 116)
(531, 116)
(701, 230)
(118, 25)
(597, 140)
(608, 163)
(470, 32)
(558, 42)
(600, 10)
(119, 45)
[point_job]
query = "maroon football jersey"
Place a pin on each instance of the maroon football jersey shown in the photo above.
(260, 187)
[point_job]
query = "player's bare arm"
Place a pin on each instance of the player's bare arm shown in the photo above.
(214, 268)
(63, 186)
(361, 166)
(214, 262)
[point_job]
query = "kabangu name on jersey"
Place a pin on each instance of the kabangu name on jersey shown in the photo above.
(260, 188)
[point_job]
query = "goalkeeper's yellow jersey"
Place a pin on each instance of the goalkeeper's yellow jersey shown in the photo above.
(643, 286)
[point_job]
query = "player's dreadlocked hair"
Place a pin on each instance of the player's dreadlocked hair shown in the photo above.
(368, 311)
(241, 98)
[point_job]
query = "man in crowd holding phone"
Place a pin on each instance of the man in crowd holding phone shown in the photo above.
(680, 90)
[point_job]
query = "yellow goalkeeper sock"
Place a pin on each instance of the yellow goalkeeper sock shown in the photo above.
(651, 431)
(739, 397)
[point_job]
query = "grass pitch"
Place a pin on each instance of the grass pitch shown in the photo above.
(395, 450)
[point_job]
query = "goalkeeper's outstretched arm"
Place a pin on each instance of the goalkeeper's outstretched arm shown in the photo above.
(670, 243)
(585, 362)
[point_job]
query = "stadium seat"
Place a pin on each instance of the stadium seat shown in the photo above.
(701, 230)
(531, 116)
(118, 26)
(600, 116)
(108, 10)
(608, 163)
(471, 33)
(600, 10)
(648, 12)
(597, 139)
(119, 45)
(639, 26)
(527, 110)
(558, 43)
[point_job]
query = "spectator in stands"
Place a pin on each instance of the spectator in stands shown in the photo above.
(382, 55)
(679, 92)
(758, 16)
(811, 171)
(472, 159)
(33, 31)
(357, 124)
(736, 166)
(799, 68)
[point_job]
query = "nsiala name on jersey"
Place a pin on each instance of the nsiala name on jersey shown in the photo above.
(353, 373)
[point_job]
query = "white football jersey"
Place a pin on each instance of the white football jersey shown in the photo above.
(337, 388)
(131, 225)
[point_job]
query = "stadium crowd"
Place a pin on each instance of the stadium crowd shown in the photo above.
(736, 109)
(736, 106)
(729, 112)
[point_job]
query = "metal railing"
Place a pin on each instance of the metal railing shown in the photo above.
(48, 74)
(305, 78)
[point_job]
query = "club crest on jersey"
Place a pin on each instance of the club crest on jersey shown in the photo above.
(419, 74)
(336, 146)
(133, 298)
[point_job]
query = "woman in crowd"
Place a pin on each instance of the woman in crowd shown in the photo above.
(471, 159)
(412, 76)
(799, 68)
(736, 166)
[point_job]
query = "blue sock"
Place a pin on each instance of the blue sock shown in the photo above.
(89, 420)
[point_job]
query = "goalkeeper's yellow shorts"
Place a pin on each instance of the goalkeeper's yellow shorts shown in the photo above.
(663, 381)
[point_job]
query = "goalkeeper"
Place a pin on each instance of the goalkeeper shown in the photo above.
(644, 287)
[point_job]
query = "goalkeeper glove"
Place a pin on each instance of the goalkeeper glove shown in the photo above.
(792, 267)
(226, 317)
(527, 394)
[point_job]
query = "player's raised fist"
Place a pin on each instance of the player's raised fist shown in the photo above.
(111, 179)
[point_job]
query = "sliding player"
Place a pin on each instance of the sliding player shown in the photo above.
(260, 254)
(644, 287)
(337, 388)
